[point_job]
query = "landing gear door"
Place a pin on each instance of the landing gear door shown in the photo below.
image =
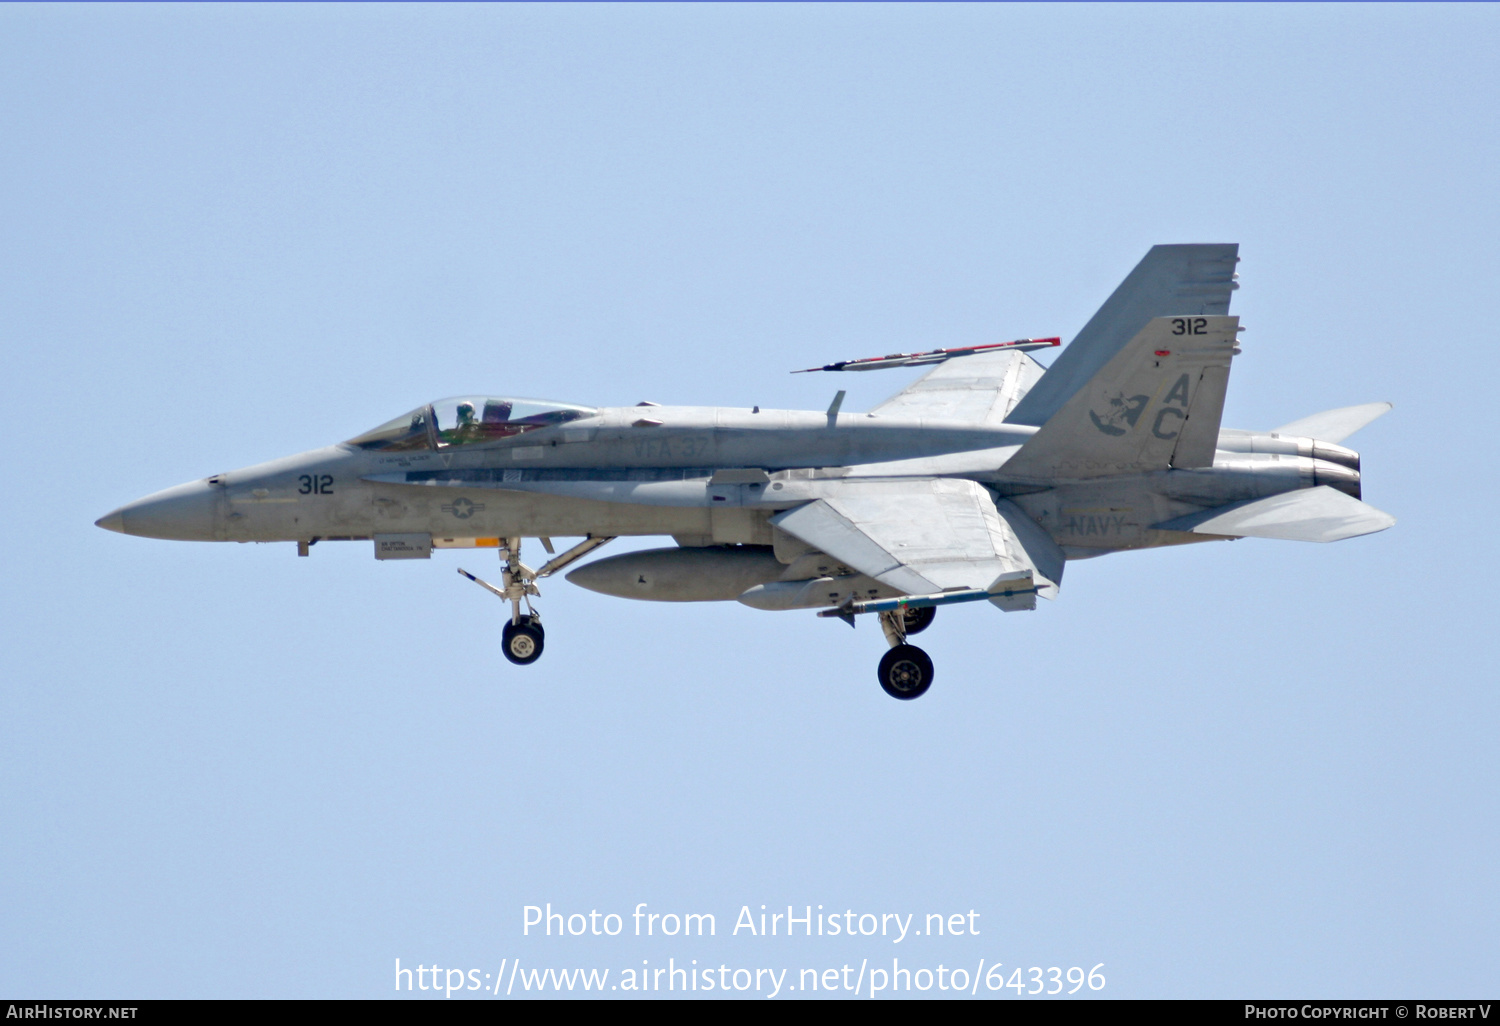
(737, 486)
(729, 492)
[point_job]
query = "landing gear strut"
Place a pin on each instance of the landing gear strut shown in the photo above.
(521, 639)
(905, 671)
(919, 619)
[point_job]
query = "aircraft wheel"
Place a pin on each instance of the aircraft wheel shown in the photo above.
(918, 620)
(522, 642)
(905, 672)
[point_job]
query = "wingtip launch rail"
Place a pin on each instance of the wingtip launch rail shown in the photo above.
(1003, 591)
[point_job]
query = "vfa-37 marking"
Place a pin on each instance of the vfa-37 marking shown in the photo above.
(976, 483)
(686, 448)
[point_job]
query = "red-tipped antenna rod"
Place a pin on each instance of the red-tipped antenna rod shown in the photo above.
(931, 356)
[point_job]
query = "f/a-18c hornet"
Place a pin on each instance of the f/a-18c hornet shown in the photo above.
(976, 483)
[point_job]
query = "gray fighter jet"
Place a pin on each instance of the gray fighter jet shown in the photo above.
(976, 483)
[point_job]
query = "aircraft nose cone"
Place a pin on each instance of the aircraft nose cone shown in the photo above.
(185, 513)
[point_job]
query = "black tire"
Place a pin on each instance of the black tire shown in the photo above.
(536, 625)
(521, 642)
(918, 620)
(905, 672)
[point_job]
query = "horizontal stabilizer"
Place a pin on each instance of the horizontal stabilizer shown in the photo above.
(1334, 425)
(1320, 514)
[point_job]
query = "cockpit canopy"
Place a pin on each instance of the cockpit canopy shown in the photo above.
(465, 420)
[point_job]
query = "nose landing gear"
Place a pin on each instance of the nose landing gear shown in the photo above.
(522, 642)
(522, 638)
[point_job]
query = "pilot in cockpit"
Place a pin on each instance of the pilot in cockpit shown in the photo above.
(467, 428)
(496, 412)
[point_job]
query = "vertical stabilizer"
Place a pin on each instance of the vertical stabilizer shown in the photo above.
(1155, 405)
(1170, 280)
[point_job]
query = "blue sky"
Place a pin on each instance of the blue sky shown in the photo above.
(233, 233)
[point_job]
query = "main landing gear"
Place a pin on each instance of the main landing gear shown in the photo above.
(905, 671)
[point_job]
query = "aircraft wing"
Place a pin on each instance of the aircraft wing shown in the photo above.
(980, 389)
(926, 535)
